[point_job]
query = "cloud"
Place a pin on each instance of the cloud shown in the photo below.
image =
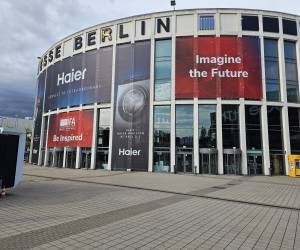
(28, 28)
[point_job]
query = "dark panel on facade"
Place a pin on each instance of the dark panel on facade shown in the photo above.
(289, 27)
(271, 24)
(250, 23)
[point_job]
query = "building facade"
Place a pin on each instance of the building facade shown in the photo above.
(211, 91)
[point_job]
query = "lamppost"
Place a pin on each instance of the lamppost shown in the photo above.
(173, 3)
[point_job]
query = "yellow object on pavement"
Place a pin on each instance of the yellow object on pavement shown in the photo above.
(294, 165)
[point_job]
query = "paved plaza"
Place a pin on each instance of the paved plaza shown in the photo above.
(85, 209)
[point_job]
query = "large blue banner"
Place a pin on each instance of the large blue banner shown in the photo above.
(81, 79)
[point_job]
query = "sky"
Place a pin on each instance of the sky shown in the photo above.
(28, 28)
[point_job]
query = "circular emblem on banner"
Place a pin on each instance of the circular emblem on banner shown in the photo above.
(133, 102)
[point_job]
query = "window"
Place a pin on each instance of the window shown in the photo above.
(207, 23)
(162, 81)
(291, 71)
(289, 27)
(250, 23)
(294, 125)
(161, 138)
(184, 126)
(207, 126)
(253, 128)
(275, 141)
(271, 24)
(103, 128)
(230, 126)
(272, 70)
(274, 126)
(162, 126)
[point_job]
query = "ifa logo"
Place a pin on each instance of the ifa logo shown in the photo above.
(66, 124)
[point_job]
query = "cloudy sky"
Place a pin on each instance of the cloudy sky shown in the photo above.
(29, 27)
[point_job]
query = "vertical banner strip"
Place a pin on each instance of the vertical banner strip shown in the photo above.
(131, 113)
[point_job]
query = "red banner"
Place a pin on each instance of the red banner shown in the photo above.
(71, 129)
(210, 67)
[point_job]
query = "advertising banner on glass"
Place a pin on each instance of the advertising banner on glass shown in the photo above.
(131, 110)
(38, 117)
(73, 129)
(82, 79)
(210, 67)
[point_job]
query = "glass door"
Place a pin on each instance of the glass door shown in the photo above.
(208, 161)
(254, 163)
(102, 158)
(86, 158)
(71, 158)
(184, 162)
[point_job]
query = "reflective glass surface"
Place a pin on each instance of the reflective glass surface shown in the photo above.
(294, 126)
(271, 24)
(184, 126)
(291, 71)
(162, 73)
(275, 130)
(206, 23)
(272, 70)
(230, 126)
(250, 23)
(161, 138)
(207, 126)
(103, 128)
(253, 128)
(289, 27)
(162, 126)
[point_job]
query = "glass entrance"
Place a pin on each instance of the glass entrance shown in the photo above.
(102, 158)
(277, 164)
(86, 158)
(254, 163)
(50, 160)
(161, 160)
(184, 162)
(232, 161)
(208, 161)
(58, 158)
(71, 158)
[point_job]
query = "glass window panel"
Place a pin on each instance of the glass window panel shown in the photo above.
(271, 24)
(272, 70)
(184, 126)
(207, 126)
(291, 71)
(206, 23)
(275, 131)
(250, 23)
(292, 93)
(103, 128)
(162, 126)
(290, 50)
(273, 91)
(253, 128)
(162, 72)
(294, 127)
(230, 126)
(289, 27)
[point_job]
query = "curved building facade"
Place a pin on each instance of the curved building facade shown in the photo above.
(211, 91)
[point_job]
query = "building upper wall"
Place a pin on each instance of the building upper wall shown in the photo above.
(160, 25)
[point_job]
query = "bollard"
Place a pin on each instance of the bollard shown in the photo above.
(175, 170)
(195, 170)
